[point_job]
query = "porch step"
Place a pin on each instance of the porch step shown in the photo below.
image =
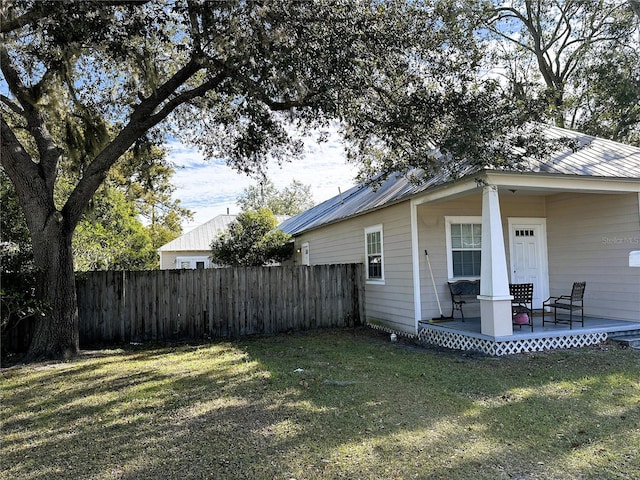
(631, 341)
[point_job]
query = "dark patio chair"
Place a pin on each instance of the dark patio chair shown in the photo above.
(571, 303)
(463, 291)
(522, 303)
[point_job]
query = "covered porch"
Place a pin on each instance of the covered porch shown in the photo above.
(551, 231)
(467, 335)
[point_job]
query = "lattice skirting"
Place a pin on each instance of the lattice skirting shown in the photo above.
(460, 341)
(400, 333)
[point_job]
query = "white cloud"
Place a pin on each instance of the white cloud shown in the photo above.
(209, 188)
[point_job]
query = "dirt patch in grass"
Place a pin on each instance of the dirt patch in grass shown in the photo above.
(330, 404)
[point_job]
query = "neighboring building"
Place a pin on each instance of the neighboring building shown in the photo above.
(573, 217)
(192, 250)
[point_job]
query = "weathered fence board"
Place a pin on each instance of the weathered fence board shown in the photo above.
(122, 307)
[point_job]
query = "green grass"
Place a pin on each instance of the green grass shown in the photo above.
(361, 408)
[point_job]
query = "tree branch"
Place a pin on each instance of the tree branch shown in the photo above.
(12, 105)
(254, 89)
(47, 148)
(37, 14)
(10, 24)
(140, 121)
(24, 174)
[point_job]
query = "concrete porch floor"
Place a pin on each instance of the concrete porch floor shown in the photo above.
(466, 335)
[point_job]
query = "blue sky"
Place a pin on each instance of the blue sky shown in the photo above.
(209, 187)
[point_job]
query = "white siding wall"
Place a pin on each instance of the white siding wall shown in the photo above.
(344, 243)
(432, 237)
(168, 259)
(590, 237)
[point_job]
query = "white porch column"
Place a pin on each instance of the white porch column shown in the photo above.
(495, 301)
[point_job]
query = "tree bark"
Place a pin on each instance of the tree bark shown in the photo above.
(56, 333)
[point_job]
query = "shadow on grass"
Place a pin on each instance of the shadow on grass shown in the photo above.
(333, 404)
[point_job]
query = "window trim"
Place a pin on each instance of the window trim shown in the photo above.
(305, 259)
(451, 220)
(193, 260)
(367, 231)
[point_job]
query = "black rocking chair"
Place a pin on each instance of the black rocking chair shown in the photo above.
(572, 303)
(522, 303)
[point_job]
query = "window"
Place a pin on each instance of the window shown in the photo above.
(305, 254)
(190, 263)
(374, 253)
(464, 242)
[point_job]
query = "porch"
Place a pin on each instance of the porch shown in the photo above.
(505, 229)
(467, 335)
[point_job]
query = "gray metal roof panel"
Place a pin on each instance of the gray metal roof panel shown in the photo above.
(200, 238)
(597, 157)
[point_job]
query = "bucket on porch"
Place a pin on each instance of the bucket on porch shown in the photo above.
(521, 319)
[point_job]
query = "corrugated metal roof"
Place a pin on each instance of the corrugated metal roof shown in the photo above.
(199, 238)
(597, 158)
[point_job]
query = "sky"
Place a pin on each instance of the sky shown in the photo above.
(209, 187)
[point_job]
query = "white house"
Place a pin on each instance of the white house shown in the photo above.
(192, 249)
(574, 217)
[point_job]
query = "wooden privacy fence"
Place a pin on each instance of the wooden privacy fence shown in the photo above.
(162, 305)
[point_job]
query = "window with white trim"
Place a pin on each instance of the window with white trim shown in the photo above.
(188, 263)
(305, 254)
(374, 253)
(464, 246)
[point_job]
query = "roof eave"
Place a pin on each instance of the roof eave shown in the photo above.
(541, 181)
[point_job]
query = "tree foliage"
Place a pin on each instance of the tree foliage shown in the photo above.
(87, 81)
(110, 236)
(252, 241)
(144, 175)
(577, 60)
(290, 200)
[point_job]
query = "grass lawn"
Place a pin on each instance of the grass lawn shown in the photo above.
(331, 404)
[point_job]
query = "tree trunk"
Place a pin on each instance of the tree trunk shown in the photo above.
(56, 333)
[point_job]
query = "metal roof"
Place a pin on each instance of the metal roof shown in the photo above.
(199, 238)
(597, 157)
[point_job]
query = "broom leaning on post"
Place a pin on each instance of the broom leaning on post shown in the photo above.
(442, 318)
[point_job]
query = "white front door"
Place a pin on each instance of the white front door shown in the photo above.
(528, 255)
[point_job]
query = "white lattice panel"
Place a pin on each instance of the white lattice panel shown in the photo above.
(400, 333)
(458, 341)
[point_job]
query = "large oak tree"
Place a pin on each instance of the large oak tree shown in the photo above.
(84, 82)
